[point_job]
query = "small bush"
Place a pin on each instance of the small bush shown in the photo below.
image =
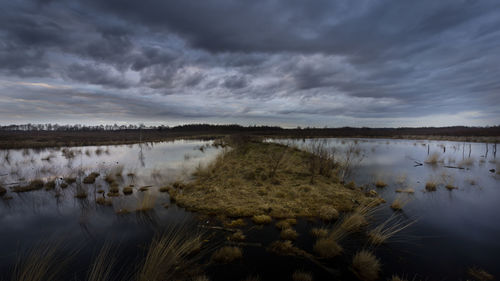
(380, 184)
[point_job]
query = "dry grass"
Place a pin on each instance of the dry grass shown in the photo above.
(90, 179)
(3, 191)
(328, 213)
(236, 223)
(103, 201)
(467, 162)
(50, 185)
(285, 248)
(366, 266)
(170, 256)
(319, 232)
(33, 185)
(289, 234)
(450, 187)
(380, 184)
(479, 274)
(387, 229)
(238, 236)
(81, 194)
(128, 190)
(40, 264)
(406, 190)
(327, 248)
(431, 186)
(399, 203)
(224, 187)
(300, 275)
(262, 219)
(286, 223)
(433, 159)
(101, 268)
(227, 254)
(147, 203)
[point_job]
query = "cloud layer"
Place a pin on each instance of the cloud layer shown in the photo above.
(277, 62)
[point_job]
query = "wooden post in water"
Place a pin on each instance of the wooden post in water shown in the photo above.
(495, 150)
(470, 149)
(486, 153)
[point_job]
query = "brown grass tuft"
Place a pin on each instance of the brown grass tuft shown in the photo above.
(380, 184)
(390, 227)
(169, 256)
(262, 219)
(288, 234)
(127, 190)
(431, 186)
(227, 254)
(327, 248)
(328, 213)
(300, 275)
(366, 266)
(90, 179)
(319, 232)
(479, 274)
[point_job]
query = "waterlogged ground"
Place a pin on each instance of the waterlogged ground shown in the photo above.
(455, 229)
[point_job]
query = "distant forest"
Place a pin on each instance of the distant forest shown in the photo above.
(234, 128)
(53, 135)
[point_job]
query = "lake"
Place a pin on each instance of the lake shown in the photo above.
(453, 228)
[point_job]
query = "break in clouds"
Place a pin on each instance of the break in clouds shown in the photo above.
(279, 62)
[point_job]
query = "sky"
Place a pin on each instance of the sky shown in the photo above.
(289, 63)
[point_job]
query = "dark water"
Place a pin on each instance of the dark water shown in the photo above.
(455, 229)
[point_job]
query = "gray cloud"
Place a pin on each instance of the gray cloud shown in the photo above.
(281, 62)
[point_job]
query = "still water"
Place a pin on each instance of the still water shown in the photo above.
(454, 229)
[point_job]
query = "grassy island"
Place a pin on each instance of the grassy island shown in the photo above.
(257, 178)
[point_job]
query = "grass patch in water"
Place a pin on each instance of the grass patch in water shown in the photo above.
(366, 266)
(224, 187)
(33, 185)
(90, 179)
(227, 254)
(300, 275)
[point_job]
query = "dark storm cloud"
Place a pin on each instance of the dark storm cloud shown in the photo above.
(280, 60)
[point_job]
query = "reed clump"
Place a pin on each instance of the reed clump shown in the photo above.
(387, 229)
(3, 191)
(90, 179)
(289, 234)
(227, 254)
(408, 190)
(431, 186)
(262, 219)
(300, 275)
(286, 223)
(36, 184)
(328, 213)
(128, 190)
(319, 232)
(327, 248)
(366, 266)
(433, 159)
(236, 223)
(170, 256)
(380, 184)
(479, 274)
